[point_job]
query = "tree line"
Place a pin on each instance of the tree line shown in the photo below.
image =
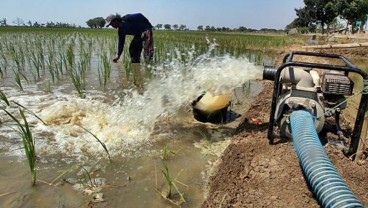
(327, 15)
(99, 22)
(20, 22)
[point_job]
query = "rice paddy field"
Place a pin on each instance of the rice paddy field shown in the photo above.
(77, 131)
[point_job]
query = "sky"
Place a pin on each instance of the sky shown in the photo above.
(256, 14)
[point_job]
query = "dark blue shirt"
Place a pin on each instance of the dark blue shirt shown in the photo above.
(132, 24)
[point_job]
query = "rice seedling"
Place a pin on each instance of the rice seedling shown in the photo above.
(77, 78)
(102, 144)
(59, 64)
(166, 152)
(4, 98)
(87, 178)
(171, 184)
(18, 80)
(128, 68)
(70, 54)
(3, 65)
(37, 66)
(25, 132)
(29, 111)
(2, 70)
(28, 141)
(104, 73)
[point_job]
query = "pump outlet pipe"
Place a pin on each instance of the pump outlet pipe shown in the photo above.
(324, 180)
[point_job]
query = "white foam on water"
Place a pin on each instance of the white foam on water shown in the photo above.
(126, 125)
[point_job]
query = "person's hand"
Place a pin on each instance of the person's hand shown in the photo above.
(116, 59)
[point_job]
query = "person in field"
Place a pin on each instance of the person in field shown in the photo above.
(140, 28)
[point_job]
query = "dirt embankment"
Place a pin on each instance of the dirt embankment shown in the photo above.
(253, 173)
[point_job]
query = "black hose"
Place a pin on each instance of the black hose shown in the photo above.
(269, 73)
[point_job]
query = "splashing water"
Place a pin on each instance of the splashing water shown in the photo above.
(127, 123)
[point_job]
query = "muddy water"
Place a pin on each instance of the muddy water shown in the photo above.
(73, 168)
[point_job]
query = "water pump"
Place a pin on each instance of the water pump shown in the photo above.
(318, 88)
(304, 95)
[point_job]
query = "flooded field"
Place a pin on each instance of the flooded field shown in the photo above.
(99, 139)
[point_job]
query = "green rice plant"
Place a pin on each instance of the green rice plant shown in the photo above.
(59, 65)
(84, 62)
(3, 64)
(37, 66)
(50, 66)
(127, 67)
(25, 132)
(102, 144)
(17, 78)
(77, 78)
(17, 57)
(40, 53)
(87, 178)
(2, 71)
(28, 141)
(105, 71)
(4, 98)
(70, 55)
(29, 111)
(171, 182)
(166, 152)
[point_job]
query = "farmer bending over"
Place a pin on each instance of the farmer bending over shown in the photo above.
(138, 26)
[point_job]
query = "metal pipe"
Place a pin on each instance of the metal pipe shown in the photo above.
(329, 187)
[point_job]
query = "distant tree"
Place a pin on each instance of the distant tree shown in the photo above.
(242, 29)
(158, 26)
(36, 24)
(182, 27)
(200, 28)
(29, 23)
(321, 12)
(90, 23)
(50, 24)
(3, 22)
(100, 22)
(175, 26)
(225, 29)
(352, 11)
(167, 26)
(208, 28)
(18, 21)
(303, 19)
(97, 22)
(58, 25)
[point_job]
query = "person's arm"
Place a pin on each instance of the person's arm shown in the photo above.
(120, 46)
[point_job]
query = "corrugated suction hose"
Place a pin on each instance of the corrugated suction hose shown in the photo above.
(326, 183)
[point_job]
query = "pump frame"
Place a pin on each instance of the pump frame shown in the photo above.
(349, 67)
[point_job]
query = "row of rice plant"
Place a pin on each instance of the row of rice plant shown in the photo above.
(47, 56)
(53, 56)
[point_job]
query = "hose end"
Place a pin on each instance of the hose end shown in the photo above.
(269, 73)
